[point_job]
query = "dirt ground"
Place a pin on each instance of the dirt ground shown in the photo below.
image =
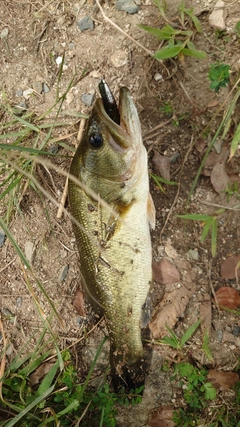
(37, 34)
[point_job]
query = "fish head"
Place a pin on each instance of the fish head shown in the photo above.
(111, 151)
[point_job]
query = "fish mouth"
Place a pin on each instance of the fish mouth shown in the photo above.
(126, 134)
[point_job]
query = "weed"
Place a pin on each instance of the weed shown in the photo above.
(233, 191)
(174, 341)
(197, 391)
(219, 76)
(209, 223)
(237, 29)
(178, 41)
(159, 181)
(60, 399)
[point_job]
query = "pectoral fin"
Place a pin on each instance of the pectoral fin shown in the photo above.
(151, 212)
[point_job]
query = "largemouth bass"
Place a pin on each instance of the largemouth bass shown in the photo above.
(115, 210)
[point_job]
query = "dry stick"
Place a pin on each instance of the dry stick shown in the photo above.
(148, 134)
(211, 285)
(122, 31)
(65, 191)
(178, 191)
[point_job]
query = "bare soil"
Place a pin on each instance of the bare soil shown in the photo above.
(38, 33)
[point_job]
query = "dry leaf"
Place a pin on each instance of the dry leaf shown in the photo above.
(162, 417)
(78, 303)
(165, 272)
(205, 314)
(213, 159)
(161, 165)
(222, 380)
(219, 178)
(228, 297)
(40, 372)
(228, 267)
(170, 309)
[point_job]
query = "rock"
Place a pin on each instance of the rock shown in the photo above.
(37, 86)
(46, 88)
(119, 58)
(158, 77)
(86, 23)
(59, 60)
(170, 251)
(218, 16)
(27, 93)
(4, 33)
(165, 272)
(236, 330)
(2, 238)
(193, 254)
(19, 301)
(53, 149)
(69, 98)
(128, 6)
(88, 98)
(63, 273)
(29, 251)
(71, 46)
(19, 92)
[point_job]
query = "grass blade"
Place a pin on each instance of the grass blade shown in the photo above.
(189, 333)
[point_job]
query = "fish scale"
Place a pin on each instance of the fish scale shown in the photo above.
(114, 241)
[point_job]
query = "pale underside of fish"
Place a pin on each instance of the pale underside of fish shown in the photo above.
(113, 207)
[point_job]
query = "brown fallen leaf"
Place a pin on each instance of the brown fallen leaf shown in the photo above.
(165, 272)
(170, 309)
(78, 303)
(222, 380)
(40, 372)
(162, 417)
(213, 159)
(205, 314)
(228, 267)
(228, 297)
(219, 178)
(161, 165)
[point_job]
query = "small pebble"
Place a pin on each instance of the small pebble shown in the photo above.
(59, 60)
(46, 88)
(158, 77)
(29, 250)
(219, 335)
(71, 46)
(2, 238)
(22, 107)
(63, 273)
(19, 301)
(27, 93)
(7, 313)
(69, 98)
(236, 330)
(9, 350)
(37, 86)
(193, 254)
(174, 157)
(86, 23)
(53, 149)
(4, 33)
(128, 6)
(119, 58)
(88, 98)
(19, 92)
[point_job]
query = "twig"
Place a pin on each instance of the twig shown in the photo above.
(215, 205)
(150, 131)
(211, 286)
(6, 266)
(65, 191)
(122, 31)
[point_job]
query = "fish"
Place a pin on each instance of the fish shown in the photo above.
(113, 212)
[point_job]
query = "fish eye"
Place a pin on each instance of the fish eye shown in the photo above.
(96, 140)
